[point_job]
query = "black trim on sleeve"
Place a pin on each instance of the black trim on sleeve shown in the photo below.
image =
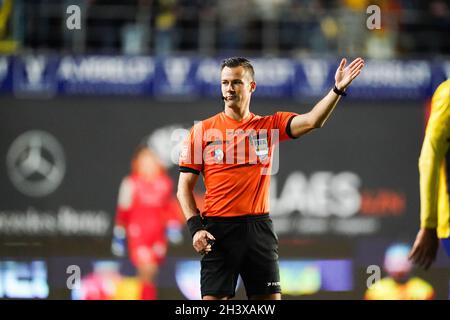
(187, 169)
(288, 128)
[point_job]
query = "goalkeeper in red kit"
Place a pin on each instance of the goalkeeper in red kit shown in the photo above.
(146, 207)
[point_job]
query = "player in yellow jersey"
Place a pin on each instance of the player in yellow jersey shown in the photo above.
(434, 165)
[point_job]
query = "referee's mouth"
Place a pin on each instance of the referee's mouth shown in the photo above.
(230, 97)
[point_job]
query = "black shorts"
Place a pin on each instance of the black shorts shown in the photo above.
(246, 246)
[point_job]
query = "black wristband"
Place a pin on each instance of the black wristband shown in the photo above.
(339, 92)
(195, 224)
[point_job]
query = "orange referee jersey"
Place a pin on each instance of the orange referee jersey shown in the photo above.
(235, 158)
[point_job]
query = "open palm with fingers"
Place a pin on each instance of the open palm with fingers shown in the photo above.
(346, 74)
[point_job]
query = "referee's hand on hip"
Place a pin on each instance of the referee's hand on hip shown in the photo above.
(203, 241)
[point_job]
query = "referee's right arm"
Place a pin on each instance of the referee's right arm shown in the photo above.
(185, 195)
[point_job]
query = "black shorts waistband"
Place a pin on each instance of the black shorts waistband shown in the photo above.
(238, 219)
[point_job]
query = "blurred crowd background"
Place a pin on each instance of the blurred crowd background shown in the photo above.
(292, 28)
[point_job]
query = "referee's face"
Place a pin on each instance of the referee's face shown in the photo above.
(237, 86)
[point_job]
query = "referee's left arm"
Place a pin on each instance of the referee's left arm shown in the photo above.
(317, 117)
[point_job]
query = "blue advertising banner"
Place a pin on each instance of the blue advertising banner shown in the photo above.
(176, 77)
(313, 78)
(393, 79)
(274, 77)
(35, 75)
(5, 74)
(106, 75)
(208, 77)
(440, 72)
(185, 77)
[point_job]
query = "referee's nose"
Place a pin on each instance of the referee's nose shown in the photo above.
(229, 88)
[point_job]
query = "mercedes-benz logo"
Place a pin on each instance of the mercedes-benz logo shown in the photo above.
(35, 163)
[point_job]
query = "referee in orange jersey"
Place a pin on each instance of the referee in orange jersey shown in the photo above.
(234, 151)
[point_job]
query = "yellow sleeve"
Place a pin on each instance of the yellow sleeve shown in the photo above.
(434, 149)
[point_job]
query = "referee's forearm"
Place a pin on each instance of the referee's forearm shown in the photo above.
(187, 202)
(323, 109)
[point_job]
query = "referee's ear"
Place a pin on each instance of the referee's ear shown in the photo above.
(252, 86)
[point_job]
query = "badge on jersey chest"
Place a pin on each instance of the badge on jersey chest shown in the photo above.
(217, 152)
(261, 146)
(218, 155)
